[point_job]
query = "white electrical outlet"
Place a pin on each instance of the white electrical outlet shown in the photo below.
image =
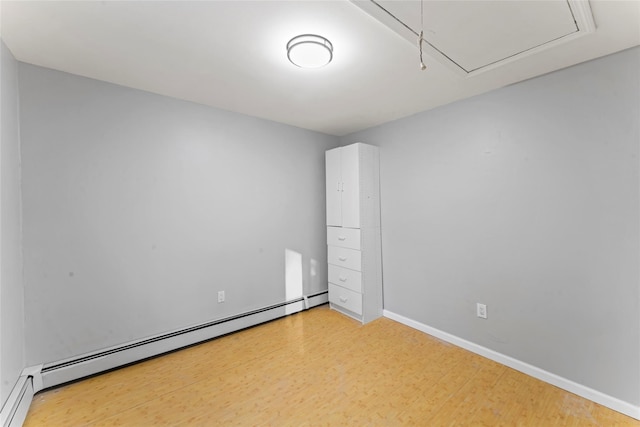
(481, 310)
(220, 296)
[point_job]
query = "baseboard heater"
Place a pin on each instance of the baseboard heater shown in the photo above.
(15, 409)
(53, 374)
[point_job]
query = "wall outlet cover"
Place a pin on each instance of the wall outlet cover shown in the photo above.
(481, 310)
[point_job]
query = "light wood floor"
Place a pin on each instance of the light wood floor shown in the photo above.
(318, 368)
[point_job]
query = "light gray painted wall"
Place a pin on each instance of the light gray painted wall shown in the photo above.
(138, 208)
(11, 290)
(525, 199)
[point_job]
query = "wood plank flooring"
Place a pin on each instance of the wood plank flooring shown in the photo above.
(318, 368)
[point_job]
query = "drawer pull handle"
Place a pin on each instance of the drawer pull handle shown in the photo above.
(342, 258)
(342, 238)
(343, 299)
(342, 278)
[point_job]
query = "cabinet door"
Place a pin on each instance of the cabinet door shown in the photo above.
(334, 187)
(350, 166)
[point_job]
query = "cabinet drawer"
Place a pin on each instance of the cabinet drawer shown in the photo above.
(345, 298)
(346, 278)
(349, 258)
(343, 237)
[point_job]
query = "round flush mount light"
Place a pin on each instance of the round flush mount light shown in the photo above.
(309, 51)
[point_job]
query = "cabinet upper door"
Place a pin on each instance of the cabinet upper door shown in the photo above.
(350, 167)
(334, 187)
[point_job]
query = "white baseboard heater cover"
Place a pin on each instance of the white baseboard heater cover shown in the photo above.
(39, 377)
(64, 371)
(15, 409)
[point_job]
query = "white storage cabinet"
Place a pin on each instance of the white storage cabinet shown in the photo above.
(353, 231)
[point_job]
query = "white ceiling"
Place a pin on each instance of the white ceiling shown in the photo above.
(231, 54)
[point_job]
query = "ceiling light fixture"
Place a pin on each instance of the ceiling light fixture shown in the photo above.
(309, 51)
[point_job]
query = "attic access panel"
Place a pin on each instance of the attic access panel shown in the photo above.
(476, 35)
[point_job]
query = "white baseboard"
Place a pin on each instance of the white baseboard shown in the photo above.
(548, 377)
(60, 372)
(15, 409)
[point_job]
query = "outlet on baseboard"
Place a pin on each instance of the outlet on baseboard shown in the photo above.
(220, 296)
(481, 310)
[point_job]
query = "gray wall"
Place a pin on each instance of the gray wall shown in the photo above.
(138, 208)
(11, 291)
(525, 199)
